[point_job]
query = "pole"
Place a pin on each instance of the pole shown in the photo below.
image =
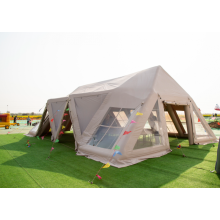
(189, 124)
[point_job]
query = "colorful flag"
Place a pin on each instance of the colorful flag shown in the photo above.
(117, 147)
(138, 113)
(63, 127)
(98, 176)
(42, 137)
(9, 132)
(126, 132)
(52, 119)
(218, 123)
(51, 149)
(67, 109)
(133, 121)
(64, 120)
(38, 138)
(106, 165)
(56, 141)
(50, 130)
(117, 152)
(61, 132)
(179, 146)
(65, 114)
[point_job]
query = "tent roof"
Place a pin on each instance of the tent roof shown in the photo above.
(111, 83)
(139, 84)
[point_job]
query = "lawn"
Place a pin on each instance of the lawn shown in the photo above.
(28, 167)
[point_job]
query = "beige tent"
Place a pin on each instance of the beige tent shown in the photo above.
(136, 112)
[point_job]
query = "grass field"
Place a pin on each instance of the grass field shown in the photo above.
(25, 167)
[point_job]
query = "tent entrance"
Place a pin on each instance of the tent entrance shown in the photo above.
(178, 121)
(151, 134)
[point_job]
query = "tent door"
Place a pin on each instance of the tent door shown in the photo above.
(178, 121)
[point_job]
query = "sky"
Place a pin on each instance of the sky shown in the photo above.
(39, 66)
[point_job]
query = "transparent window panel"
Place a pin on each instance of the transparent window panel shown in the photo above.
(110, 117)
(148, 141)
(181, 115)
(200, 130)
(100, 132)
(111, 127)
(152, 132)
(170, 125)
(119, 117)
(110, 138)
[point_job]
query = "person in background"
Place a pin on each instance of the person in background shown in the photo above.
(28, 120)
(15, 119)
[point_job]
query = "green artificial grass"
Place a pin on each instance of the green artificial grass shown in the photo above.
(27, 167)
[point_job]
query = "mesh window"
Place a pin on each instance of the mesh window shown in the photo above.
(151, 134)
(111, 127)
(170, 125)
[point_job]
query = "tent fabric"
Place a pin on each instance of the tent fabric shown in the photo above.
(56, 108)
(33, 131)
(101, 115)
(86, 107)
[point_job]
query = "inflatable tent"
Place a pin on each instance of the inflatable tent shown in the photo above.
(136, 112)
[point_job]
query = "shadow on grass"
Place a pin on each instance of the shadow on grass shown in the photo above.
(76, 171)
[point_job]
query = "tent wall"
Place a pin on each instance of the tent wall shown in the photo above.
(86, 107)
(127, 142)
(204, 139)
(45, 127)
(56, 109)
(33, 131)
(42, 121)
(42, 127)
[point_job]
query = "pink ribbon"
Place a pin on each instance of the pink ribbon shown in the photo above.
(98, 176)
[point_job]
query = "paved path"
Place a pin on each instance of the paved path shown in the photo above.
(18, 129)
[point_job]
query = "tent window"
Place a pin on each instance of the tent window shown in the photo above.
(200, 130)
(111, 127)
(181, 115)
(152, 132)
(117, 117)
(105, 137)
(170, 125)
